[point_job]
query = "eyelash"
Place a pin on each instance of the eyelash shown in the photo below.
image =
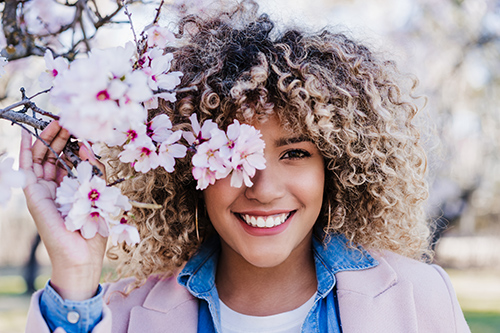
(303, 154)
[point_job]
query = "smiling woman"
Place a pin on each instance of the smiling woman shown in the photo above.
(328, 236)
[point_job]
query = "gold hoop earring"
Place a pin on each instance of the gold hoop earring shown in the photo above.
(329, 214)
(196, 222)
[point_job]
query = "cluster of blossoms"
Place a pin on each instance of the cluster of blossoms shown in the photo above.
(105, 98)
(9, 178)
(88, 205)
(239, 151)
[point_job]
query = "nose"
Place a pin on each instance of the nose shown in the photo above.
(268, 185)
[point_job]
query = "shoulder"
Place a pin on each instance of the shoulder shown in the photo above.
(405, 294)
(157, 296)
(432, 292)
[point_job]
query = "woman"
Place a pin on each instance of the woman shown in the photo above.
(325, 240)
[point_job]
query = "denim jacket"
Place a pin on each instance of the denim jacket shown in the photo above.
(198, 276)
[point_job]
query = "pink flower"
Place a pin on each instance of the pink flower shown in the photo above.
(159, 128)
(124, 233)
(127, 132)
(205, 177)
(208, 153)
(159, 36)
(199, 133)
(54, 68)
(87, 204)
(9, 178)
(97, 94)
(169, 150)
(141, 154)
(247, 153)
(156, 66)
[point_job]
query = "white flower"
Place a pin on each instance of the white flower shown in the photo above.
(199, 134)
(54, 68)
(159, 128)
(141, 154)
(124, 233)
(169, 150)
(205, 177)
(98, 94)
(87, 204)
(159, 36)
(9, 178)
(127, 132)
(156, 66)
(246, 153)
(208, 154)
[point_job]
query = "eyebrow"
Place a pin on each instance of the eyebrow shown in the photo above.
(288, 141)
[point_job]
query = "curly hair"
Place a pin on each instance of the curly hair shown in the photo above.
(355, 107)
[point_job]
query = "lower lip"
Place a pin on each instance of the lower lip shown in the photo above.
(256, 231)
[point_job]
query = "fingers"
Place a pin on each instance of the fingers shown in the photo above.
(44, 160)
(25, 155)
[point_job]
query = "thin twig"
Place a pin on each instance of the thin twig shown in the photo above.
(23, 118)
(145, 205)
(40, 92)
(116, 182)
(158, 10)
(15, 105)
(171, 91)
(129, 15)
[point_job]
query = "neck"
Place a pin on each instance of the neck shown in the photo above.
(264, 291)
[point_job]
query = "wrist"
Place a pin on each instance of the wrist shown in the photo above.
(75, 286)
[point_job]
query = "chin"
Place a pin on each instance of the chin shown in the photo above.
(264, 260)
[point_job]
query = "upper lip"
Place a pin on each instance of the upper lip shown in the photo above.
(265, 213)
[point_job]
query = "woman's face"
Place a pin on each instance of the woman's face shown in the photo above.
(265, 223)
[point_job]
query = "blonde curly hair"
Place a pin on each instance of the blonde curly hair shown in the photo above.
(355, 107)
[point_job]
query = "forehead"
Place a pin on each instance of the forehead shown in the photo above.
(273, 132)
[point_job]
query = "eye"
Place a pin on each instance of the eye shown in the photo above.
(294, 154)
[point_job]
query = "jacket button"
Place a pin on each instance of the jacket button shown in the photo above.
(73, 317)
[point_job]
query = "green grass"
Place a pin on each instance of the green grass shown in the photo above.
(483, 322)
(15, 285)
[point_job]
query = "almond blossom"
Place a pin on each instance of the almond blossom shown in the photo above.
(239, 151)
(169, 150)
(9, 178)
(156, 66)
(141, 154)
(54, 68)
(159, 128)
(123, 232)
(159, 36)
(204, 176)
(98, 93)
(88, 205)
(245, 153)
(199, 133)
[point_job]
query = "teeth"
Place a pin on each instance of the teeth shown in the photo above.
(265, 221)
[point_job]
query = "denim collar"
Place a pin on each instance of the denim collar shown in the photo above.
(330, 257)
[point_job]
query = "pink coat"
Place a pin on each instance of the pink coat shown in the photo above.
(398, 295)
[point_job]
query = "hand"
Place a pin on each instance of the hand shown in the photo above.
(76, 261)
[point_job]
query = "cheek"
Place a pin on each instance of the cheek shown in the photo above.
(218, 198)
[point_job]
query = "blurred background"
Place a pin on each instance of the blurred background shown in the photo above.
(452, 46)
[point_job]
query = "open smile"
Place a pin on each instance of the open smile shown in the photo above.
(269, 221)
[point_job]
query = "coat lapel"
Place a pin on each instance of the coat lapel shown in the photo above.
(374, 300)
(168, 307)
